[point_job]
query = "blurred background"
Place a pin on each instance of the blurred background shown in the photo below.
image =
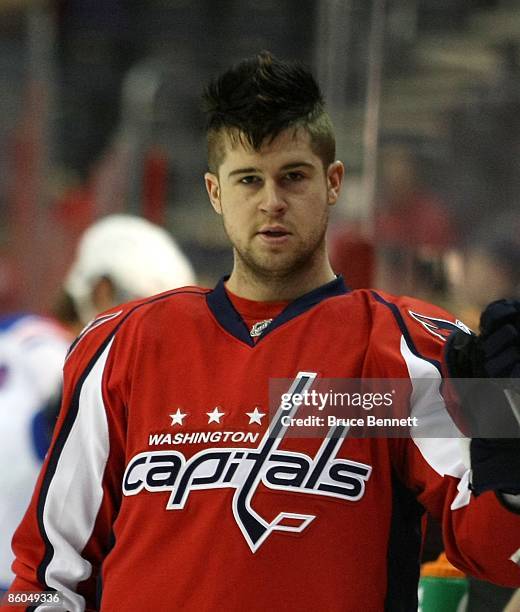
(100, 113)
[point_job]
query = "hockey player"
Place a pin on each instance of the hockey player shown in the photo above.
(32, 350)
(164, 475)
(120, 257)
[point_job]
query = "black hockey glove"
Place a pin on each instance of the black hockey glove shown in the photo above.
(489, 406)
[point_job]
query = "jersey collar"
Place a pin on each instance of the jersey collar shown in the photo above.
(228, 317)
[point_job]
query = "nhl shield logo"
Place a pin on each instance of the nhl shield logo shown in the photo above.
(257, 328)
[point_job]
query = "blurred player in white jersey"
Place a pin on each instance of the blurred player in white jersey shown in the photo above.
(120, 257)
(32, 349)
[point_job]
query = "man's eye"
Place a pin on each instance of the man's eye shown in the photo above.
(249, 180)
(294, 176)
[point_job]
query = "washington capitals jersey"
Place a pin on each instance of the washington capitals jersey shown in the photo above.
(165, 478)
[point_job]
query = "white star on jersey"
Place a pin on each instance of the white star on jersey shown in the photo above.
(215, 415)
(255, 416)
(177, 417)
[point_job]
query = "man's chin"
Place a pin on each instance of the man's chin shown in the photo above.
(277, 267)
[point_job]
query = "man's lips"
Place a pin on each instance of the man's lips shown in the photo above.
(274, 235)
(274, 232)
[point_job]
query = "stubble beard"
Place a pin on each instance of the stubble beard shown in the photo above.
(257, 266)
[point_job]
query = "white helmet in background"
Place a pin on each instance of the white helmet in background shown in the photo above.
(138, 257)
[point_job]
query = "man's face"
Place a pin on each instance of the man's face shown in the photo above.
(274, 202)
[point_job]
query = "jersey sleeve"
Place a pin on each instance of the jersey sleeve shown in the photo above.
(481, 535)
(66, 531)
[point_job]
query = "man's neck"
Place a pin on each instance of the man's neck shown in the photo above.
(272, 288)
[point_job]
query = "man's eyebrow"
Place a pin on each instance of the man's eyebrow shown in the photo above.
(242, 171)
(291, 166)
(298, 164)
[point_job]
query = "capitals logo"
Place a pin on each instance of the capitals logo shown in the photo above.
(441, 328)
(243, 469)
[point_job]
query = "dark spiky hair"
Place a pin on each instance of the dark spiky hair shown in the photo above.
(259, 98)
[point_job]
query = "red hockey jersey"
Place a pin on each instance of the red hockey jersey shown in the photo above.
(164, 478)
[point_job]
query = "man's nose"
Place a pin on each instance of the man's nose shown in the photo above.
(273, 201)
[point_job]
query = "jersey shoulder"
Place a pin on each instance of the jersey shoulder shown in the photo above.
(421, 326)
(420, 316)
(154, 311)
(27, 329)
(405, 311)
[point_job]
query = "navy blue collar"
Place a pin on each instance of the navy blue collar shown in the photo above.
(230, 319)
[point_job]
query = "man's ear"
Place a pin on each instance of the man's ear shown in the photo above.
(335, 174)
(213, 189)
(103, 294)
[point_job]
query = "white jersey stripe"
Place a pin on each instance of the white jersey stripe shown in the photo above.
(427, 404)
(75, 492)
